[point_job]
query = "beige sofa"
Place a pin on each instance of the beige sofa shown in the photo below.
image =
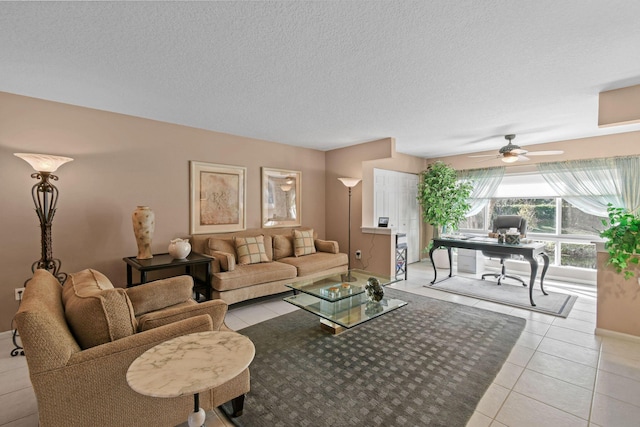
(234, 281)
(80, 339)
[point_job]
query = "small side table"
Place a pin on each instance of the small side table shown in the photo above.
(165, 261)
(191, 364)
(401, 255)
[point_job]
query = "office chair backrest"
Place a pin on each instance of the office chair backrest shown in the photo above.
(503, 223)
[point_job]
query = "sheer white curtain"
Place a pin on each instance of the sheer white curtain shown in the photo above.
(591, 184)
(485, 182)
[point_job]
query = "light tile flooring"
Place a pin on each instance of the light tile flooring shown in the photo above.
(558, 374)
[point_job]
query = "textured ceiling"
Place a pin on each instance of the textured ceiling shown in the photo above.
(442, 77)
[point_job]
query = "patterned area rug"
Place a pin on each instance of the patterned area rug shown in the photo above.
(513, 294)
(425, 364)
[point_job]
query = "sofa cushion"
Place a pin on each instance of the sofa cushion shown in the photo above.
(221, 245)
(282, 246)
(330, 246)
(252, 274)
(303, 243)
(96, 312)
(315, 263)
(250, 250)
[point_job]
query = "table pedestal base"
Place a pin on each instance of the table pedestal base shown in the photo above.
(331, 327)
(197, 417)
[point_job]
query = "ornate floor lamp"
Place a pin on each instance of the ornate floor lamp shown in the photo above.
(349, 183)
(45, 198)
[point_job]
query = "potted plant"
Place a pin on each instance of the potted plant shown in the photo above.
(623, 239)
(443, 199)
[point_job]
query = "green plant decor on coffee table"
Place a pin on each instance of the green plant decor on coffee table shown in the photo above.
(444, 199)
(623, 239)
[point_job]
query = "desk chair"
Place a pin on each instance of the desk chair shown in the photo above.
(502, 224)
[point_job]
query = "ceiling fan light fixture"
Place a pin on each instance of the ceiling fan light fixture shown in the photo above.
(509, 158)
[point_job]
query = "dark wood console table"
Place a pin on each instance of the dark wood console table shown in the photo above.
(165, 261)
(530, 251)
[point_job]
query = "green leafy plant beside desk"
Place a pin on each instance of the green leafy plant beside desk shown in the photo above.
(443, 198)
(623, 239)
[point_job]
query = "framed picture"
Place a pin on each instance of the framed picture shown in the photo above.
(281, 201)
(217, 198)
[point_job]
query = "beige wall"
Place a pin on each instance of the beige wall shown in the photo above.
(358, 161)
(120, 162)
(618, 305)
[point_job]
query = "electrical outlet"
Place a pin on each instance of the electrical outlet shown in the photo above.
(358, 254)
(18, 293)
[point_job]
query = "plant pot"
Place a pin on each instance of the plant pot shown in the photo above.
(441, 258)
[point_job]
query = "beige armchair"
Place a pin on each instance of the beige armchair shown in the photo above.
(80, 339)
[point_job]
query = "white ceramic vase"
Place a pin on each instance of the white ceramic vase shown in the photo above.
(144, 222)
(179, 248)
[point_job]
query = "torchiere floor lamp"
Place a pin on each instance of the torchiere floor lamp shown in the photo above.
(45, 198)
(349, 183)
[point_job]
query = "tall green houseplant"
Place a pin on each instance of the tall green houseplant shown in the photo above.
(623, 239)
(444, 199)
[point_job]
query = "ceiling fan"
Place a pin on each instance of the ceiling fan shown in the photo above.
(512, 153)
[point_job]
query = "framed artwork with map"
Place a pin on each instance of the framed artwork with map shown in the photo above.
(217, 198)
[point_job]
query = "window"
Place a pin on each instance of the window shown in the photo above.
(539, 213)
(475, 222)
(566, 230)
(575, 221)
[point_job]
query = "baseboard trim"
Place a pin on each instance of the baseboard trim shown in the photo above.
(613, 334)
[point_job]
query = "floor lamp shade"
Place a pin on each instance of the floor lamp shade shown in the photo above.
(349, 183)
(44, 162)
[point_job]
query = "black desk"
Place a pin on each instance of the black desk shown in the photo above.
(528, 250)
(164, 261)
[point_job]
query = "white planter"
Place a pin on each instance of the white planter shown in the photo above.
(179, 248)
(441, 258)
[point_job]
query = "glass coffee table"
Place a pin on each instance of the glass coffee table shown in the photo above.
(339, 303)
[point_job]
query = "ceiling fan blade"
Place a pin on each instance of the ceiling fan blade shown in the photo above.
(485, 155)
(521, 157)
(519, 151)
(486, 160)
(545, 153)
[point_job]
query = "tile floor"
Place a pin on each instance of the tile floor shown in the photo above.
(558, 374)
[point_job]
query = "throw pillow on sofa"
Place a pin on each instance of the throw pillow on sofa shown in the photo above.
(282, 246)
(251, 250)
(96, 312)
(303, 243)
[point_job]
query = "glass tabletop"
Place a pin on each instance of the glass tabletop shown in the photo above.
(338, 286)
(341, 298)
(348, 312)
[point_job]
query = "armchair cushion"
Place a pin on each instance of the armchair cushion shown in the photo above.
(303, 243)
(96, 312)
(216, 309)
(160, 294)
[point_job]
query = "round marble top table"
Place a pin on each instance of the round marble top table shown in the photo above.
(191, 364)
